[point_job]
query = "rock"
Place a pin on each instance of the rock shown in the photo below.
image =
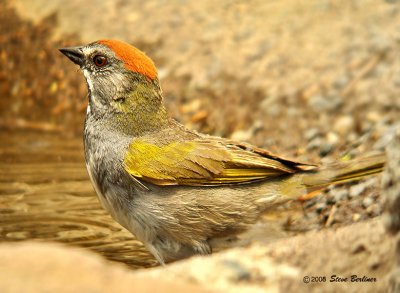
(341, 82)
(356, 190)
(332, 138)
(315, 143)
(324, 103)
(374, 116)
(374, 210)
(387, 137)
(326, 148)
(47, 267)
(311, 133)
(235, 270)
(270, 106)
(257, 125)
(367, 202)
(243, 135)
(356, 217)
(344, 125)
(43, 267)
(339, 194)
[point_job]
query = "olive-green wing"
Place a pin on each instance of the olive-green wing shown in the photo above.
(201, 163)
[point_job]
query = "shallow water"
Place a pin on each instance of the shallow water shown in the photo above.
(46, 195)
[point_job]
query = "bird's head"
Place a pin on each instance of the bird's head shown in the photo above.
(121, 79)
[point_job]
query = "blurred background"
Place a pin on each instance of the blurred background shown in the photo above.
(312, 80)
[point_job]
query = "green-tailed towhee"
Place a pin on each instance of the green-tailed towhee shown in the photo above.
(174, 188)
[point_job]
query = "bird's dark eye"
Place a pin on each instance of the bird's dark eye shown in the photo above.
(99, 60)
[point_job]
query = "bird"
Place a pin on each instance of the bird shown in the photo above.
(176, 189)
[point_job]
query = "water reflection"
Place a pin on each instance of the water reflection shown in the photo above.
(45, 195)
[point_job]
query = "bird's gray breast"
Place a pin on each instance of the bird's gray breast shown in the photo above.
(104, 155)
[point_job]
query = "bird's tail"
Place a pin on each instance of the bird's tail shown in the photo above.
(307, 184)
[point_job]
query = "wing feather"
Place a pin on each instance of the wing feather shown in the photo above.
(203, 162)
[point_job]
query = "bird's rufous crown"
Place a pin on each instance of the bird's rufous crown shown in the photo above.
(133, 58)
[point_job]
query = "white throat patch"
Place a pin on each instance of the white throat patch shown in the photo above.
(91, 91)
(88, 80)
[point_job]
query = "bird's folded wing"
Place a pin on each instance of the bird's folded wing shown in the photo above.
(202, 163)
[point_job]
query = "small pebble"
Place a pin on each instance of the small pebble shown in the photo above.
(270, 106)
(315, 143)
(374, 116)
(341, 82)
(242, 135)
(332, 138)
(311, 133)
(257, 125)
(344, 125)
(239, 272)
(356, 217)
(324, 103)
(356, 190)
(273, 110)
(367, 202)
(374, 210)
(339, 194)
(325, 149)
(387, 137)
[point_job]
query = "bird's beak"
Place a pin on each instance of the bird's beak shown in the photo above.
(75, 54)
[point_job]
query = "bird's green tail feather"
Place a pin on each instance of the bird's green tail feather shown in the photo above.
(305, 185)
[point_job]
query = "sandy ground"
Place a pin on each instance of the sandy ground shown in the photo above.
(347, 252)
(315, 80)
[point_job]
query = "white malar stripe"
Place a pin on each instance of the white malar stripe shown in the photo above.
(88, 80)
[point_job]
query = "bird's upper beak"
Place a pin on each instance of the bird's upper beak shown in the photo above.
(75, 54)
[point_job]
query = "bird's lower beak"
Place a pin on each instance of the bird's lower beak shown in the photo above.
(75, 54)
